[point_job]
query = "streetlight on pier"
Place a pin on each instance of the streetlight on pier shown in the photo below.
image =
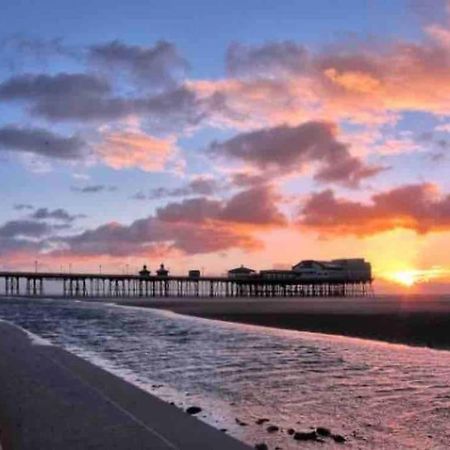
(100, 269)
(35, 266)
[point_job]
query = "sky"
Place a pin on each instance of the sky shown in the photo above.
(207, 135)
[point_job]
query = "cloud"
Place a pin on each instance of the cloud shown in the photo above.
(158, 66)
(41, 142)
(10, 247)
(270, 60)
(365, 82)
(22, 206)
(284, 149)
(18, 49)
(61, 86)
(418, 207)
(93, 189)
(144, 236)
(192, 210)
(86, 97)
(200, 185)
(24, 228)
(247, 179)
(254, 206)
(193, 226)
(130, 149)
(58, 214)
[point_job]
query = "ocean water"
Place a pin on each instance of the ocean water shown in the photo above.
(377, 395)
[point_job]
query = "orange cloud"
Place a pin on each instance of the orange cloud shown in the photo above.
(126, 149)
(417, 207)
(284, 83)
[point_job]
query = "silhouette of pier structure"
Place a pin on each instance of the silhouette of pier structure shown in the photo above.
(84, 285)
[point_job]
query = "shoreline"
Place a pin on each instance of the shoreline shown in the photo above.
(412, 325)
(52, 399)
(408, 320)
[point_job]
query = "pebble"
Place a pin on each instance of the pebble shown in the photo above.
(272, 429)
(322, 431)
(338, 438)
(193, 410)
(240, 422)
(261, 446)
(261, 421)
(305, 436)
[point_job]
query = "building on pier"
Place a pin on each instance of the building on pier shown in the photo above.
(194, 273)
(241, 272)
(274, 274)
(162, 271)
(144, 272)
(355, 269)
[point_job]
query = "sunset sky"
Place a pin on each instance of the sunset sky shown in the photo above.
(212, 134)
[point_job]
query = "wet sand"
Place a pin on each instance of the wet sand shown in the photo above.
(407, 320)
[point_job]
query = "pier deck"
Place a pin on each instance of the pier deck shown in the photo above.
(115, 285)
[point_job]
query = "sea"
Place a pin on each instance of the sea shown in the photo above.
(376, 395)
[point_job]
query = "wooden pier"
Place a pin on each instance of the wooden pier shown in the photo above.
(78, 285)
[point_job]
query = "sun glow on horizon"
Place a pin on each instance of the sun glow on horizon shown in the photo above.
(411, 277)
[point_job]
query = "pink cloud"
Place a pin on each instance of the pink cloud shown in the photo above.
(418, 207)
(285, 83)
(256, 206)
(125, 149)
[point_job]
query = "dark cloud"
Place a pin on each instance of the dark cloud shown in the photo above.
(198, 186)
(144, 235)
(140, 195)
(18, 47)
(93, 189)
(272, 59)
(190, 210)
(281, 150)
(159, 66)
(9, 246)
(66, 96)
(84, 97)
(417, 207)
(198, 225)
(24, 228)
(244, 179)
(40, 142)
(172, 110)
(53, 87)
(23, 206)
(255, 206)
(56, 214)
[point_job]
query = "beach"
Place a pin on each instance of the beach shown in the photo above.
(51, 399)
(257, 384)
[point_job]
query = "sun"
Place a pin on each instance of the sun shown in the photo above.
(405, 277)
(411, 277)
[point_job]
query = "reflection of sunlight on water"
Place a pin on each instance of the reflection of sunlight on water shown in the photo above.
(378, 395)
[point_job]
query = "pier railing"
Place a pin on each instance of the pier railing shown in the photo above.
(77, 285)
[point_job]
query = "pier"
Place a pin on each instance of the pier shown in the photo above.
(76, 285)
